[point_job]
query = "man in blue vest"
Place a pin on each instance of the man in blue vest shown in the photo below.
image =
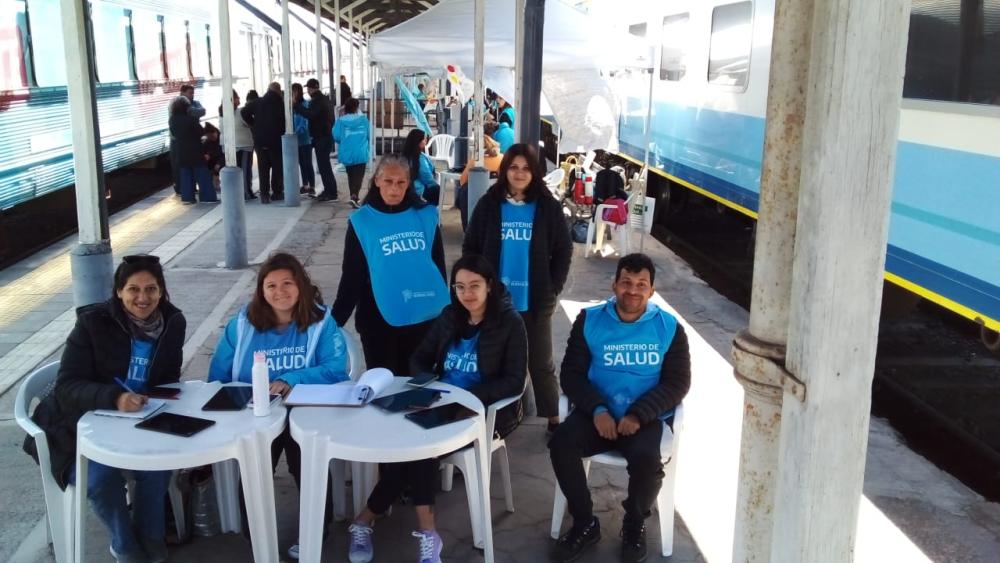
(625, 369)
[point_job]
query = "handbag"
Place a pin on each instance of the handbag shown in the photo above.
(617, 214)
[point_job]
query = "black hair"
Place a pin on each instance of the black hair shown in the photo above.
(312, 83)
(374, 195)
(134, 264)
(351, 105)
(476, 264)
(411, 150)
(537, 186)
(186, 87)
(635, 263)
(252, 95)
(180, 105)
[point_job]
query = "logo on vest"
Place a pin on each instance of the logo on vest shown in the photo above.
(402, 242)
(409, 294)
(515, 230)
(286, 358)
(513, 283)
(616, 355)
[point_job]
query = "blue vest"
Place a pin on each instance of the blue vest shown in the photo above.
(626, 358)
(516, 225)
(138, 365)
(286, 351)
(407, 284)
(461, 363)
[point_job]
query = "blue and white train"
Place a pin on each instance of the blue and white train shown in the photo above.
(709, 99)
(144, 51)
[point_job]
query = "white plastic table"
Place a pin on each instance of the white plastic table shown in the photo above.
(370, 434)
(235, 435)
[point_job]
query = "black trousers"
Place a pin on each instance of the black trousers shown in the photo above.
(420, 477)
(355, 175)
(324, 146)
(245, 160)
(538, 324)
(269, 171)
(390, 347)
(577, 438)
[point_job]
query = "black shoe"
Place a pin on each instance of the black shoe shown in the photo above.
(576, 541)
(633, 540)
(325, 197)
(265, 199)
(278, 197)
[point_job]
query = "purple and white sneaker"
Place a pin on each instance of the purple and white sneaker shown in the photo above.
(430, 546)
(361, 550)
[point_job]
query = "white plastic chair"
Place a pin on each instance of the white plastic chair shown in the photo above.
(441, 147)
(595, 229)
(669, 445)
(553, 180)
(59, 505)
(465, 461)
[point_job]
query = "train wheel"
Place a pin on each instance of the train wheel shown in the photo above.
(990, 338)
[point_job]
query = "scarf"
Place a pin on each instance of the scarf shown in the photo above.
(148, 329)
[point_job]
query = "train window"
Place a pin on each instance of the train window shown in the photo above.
(952, 51)
(638, 29)
(13, 45)
(198, 35)
(47, 54)
(729, 52)
(146, 36)
(175, 36)
(674, 40)
(111, 43)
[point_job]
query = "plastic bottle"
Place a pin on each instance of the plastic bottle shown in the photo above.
(588, 186)
(261, 385)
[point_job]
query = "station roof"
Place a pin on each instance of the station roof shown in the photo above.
(380, 14)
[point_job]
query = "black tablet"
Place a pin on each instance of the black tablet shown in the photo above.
(161, 392)
(176, 424)
(229, 398)
(444, 414)
(407, 400)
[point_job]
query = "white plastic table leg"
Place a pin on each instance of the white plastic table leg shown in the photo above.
(483, 449)
(590, 237)
(177, 506)
(312, 500)
(258, 493)
(338, 480)
(227, 481)
(80, 506)
(447, 477)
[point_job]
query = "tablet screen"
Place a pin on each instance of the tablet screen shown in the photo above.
(176, 424)
(230, 398)
(407, 400)
(444, 414)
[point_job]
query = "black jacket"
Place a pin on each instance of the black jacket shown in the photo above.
(355, 289)
(266, 117)
(345, 92)
(551, 246)
(675, 376)
(320, 115)
(99, 349)
(502, 358)
(185, 134)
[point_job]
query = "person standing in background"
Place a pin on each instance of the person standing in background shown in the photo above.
(266, 116)
(300, 125)
(351, 132)
(321, 117)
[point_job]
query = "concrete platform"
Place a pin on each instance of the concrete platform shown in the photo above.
(911, 511)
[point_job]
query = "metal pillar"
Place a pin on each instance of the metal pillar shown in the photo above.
(289, 142)
(231, 176)
(478, 92)
(318, 9)
(528, 115)
(850, 70)
(519, 64)
(336, 64)
(91, 262)
(648, 135)
(350, 46)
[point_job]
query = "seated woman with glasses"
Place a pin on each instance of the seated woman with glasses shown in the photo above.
(479, 344)
(286, 319)
(117, 350)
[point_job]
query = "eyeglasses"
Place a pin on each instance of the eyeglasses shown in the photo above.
(141, 259)
(462, 288)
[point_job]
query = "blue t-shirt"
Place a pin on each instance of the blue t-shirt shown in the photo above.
(461, 363)
(516, 225)
(138, 365)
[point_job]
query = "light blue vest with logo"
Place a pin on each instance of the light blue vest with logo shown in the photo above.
(517, 222)
(244, 335)
(626, 358)
(407, 284)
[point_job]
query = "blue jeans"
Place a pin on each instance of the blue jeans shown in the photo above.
(306, 166)
(200, 173)
(106, 491)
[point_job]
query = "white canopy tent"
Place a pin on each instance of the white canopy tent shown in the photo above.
(575, 48)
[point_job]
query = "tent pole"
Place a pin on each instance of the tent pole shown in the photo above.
(528, 114)
(519, 64)
(648, 137)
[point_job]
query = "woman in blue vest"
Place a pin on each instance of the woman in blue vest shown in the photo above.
(519, 227)
(285, 319)
(421, 167)
(137, 336)
(300, 125)
(351, 133)
(393, 270)
(478, 343)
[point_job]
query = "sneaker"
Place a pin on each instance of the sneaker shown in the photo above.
(265, 199)
(293, 552)
(128, 557)
(430, 546)
(155, 548)
(355, 203)
(361, 550)
(575, 542)
(633, 540)
(324, 197)
(186, 202)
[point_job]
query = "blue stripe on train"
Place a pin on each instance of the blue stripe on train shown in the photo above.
(978, 295)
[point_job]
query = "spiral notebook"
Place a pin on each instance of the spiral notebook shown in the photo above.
(151, 407)
(371, 384)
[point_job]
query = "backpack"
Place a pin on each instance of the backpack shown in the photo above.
(618, 214)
